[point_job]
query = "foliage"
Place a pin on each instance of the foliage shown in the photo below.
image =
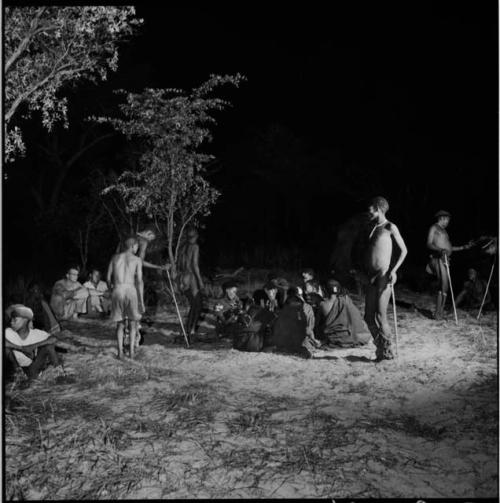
(167, 183)
(47, 48)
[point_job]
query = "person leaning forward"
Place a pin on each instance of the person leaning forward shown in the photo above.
(439, 244)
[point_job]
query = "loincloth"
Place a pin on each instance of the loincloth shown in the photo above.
(125, 303)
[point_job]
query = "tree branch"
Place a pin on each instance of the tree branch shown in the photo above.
(25, 42)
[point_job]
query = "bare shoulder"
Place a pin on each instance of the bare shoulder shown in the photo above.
(392, 227)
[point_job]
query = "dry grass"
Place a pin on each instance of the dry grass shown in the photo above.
(211, 422)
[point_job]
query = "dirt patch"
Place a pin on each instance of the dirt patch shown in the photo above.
(212, 422)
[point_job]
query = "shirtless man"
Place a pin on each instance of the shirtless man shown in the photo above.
(440, 246)
(190, 280)
(381, 275)
(125, 276)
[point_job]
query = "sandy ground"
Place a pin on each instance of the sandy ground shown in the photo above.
(212, 422)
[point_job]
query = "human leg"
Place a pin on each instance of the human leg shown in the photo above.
(119, 337)
(133, 332)
(383, 341)
(44, 353)
(370, 309)
(443, 289)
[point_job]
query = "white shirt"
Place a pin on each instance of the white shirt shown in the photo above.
(101, 287)
(33, 337)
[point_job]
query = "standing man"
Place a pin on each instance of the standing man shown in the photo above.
(439, 244)
(381, 275)
(190, 279)
(125, 276)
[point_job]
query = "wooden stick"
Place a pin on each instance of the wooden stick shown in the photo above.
(395, 319)
(487, 287)
(447, 265)
(177, 309)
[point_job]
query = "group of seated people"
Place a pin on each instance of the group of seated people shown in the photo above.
(70, 298)
(291, 319)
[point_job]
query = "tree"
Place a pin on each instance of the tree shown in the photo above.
(168, 184)
(47, 48)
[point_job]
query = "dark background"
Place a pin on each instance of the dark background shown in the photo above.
(340, 105)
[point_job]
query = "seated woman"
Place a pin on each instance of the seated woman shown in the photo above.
(266, 297)
(309, 275)
(339, 320)
(99, 300)
(293, 328)
(69, 297)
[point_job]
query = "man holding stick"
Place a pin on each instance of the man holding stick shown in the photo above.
(381, 276)
(439, 244)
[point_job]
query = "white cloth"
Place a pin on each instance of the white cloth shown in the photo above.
(96, 290)
(33, 337)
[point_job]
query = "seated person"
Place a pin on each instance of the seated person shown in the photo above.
(282, 286)
(25, 347)
(99, 300)
(308, 275)
(69, 297)
(291, 330)
(253, 328)
(312, 296)
(473, 292)
(309, 313)
(44, 319)
(339, 321)
(227, 309)
(266, 297)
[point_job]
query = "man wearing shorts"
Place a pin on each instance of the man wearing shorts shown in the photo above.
(125, 276)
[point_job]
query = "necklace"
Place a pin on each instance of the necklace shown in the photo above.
(377, 225)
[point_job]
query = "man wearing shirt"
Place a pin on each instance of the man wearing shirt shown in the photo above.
(28, 348)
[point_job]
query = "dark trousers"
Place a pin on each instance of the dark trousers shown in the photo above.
(44, 353)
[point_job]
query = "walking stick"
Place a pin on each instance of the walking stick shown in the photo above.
(395, 319)
(487, 287)
(447, 265)
(177, 309)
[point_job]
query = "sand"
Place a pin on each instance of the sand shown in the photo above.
(212, 422)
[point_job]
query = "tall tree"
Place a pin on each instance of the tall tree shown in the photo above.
(167, 184)
(47, 48)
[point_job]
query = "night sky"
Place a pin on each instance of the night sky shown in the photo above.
(340, 105)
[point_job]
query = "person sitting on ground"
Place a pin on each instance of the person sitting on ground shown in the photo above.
(282, 285)
(473, 291)
(309, 275)
(311, 294)
(266, 297)
(44, 318)
(292, 328)
(69, 297)
(309, 312)
(99, 300)
(227, 309)
(28, 348)
(339, 321)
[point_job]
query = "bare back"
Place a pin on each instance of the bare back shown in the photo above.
(379, 253)
(125, 268)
